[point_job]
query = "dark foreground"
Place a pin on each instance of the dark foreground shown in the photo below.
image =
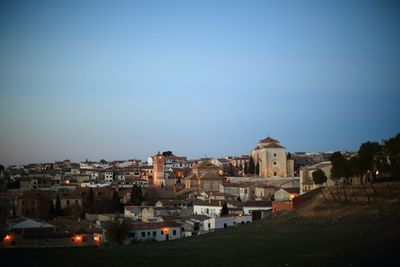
(295, 241)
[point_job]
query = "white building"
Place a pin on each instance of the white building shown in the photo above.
(108, 176)
(216, 223)
(208, 207)
(271, 157)
(160, 231)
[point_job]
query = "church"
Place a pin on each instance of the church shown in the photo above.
(272, 159)
(205, 176)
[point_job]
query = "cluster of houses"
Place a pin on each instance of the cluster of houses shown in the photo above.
(183, 197)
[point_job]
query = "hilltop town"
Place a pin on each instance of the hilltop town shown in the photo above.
(167, 197)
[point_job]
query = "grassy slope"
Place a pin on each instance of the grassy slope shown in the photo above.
(315, 235)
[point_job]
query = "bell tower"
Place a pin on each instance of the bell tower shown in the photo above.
(158, 170)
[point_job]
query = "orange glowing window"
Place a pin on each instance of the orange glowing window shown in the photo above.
(96, 239)
(8, 238)
(292, 196)
(166, 230)
(77, 238)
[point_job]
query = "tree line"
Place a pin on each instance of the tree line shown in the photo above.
(374, 162)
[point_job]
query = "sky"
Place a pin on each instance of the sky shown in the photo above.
(125, 79)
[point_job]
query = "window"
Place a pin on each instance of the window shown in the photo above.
(274, 173)
(225, 225)
(154, 233)
(174, 232)
(148, 233)
(143, 234)
(67, 202)
(162, 232)
(274, 154)
(76, 202)
(274, 162)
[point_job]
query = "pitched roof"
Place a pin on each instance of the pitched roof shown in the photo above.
(272, 145)
(205, 165)
(269, 140)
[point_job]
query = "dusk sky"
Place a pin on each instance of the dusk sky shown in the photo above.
(125, 79)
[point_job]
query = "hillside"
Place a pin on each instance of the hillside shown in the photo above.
(321, 233)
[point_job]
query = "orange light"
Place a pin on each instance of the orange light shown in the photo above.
(96, 238)
(67, 181)
(377, 172)
(7, 238)
(78, 238)
(166, 230)
(292, 196)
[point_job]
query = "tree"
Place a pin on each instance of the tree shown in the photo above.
(57, 209)
(224, 210)
(257, 169)
(52, 209)
(367, 155)
(136, 196)
(251, 166)
(392, 152)
(245, 168)
(340, 170)
(102, 161)
(319, 178)
(229, 169)
(4, 210)
(89, 202)
(117, 231)
(116, 202)
(167, 153)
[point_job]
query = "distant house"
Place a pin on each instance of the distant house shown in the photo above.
(257, 209)
(159, 231)
(24, 232)
(265, 191)
(194, 224)
(241, 190)
(216, 223)
(212, 208)
(67, 199)
(108, 175)
(205, 177)
(294, 201)
(286, 194)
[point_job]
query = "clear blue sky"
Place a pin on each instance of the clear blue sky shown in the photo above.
(124, 79)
